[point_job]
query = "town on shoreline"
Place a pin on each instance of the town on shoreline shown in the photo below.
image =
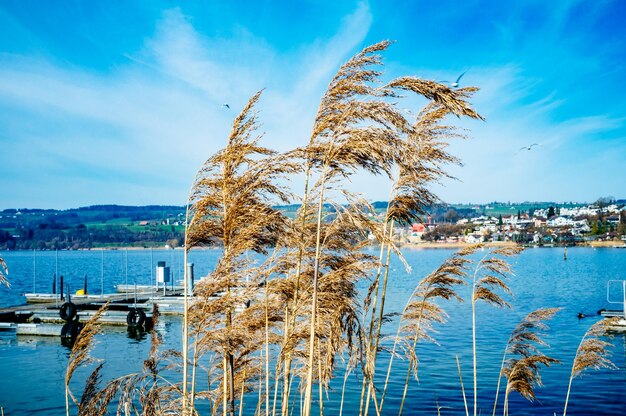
(596, 225)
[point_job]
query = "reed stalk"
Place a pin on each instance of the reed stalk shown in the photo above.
(488, 277)
(378, 324)
(458, 366)
(267, 350)
(309, 377)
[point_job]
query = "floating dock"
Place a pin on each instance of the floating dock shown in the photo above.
(49, 318)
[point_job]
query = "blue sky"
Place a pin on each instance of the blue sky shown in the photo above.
(120, 102)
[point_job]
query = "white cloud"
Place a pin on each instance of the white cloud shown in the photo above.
(138, 134)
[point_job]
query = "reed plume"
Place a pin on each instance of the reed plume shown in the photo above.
(356, 128)
(340, 263)
(422, 162)
(522, 370)
(4, 273)
(487, 283)
(145, 392)
(591, 353)
(80, 353)
(231, 202)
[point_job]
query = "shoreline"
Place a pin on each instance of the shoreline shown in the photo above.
(461, 244)
(420, 245)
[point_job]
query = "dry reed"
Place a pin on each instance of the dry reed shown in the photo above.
(80, 355)
(422, 311)
(231, 203)
(522, 370)
(592, 353)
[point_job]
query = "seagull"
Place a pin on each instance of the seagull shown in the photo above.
(455, 84)
(528, 147)
(226, 105)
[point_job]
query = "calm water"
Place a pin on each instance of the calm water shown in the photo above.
(32, 369)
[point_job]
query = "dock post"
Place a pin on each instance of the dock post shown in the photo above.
(61, 286)
(34, 271)
(102, 271)
(126, 271)
(624, 296)
(189, 283)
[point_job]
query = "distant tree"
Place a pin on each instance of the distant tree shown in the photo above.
(604, 202)
(519, 214)
(621, 228)
(451, 215)
(551, 212)
(500, 222)
(597, 227)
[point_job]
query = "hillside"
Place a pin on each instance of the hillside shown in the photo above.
(157, 225)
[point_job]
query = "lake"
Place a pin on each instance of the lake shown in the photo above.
(32, 368)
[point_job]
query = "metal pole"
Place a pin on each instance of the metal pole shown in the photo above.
(56, 272)
(624, 296)
(102, 272)
(126, 270)
(152, 272)
(190, 277)
(34, 270)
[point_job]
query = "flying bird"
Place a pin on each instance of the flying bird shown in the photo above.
(226, 105)
(528, 147)
(455, 84)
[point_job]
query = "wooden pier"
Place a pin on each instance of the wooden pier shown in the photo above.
(46, 318)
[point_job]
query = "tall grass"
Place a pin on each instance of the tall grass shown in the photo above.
(591, 353)
(521, 370)
(272, 329)
(80, 355)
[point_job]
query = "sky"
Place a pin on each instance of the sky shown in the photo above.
(121, 102)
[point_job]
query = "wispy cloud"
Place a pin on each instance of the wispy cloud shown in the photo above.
(147, 125)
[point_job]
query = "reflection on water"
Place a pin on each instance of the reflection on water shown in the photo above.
(542, 279)
(136, 334)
